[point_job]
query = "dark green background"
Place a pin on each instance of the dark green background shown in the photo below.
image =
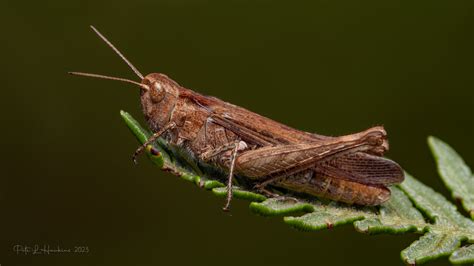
(332, 67)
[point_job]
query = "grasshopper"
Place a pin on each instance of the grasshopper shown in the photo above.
(348, 168)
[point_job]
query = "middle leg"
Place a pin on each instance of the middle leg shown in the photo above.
(235, 146)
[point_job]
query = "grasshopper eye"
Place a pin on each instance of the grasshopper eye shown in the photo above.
(157, 92)
(157, 87)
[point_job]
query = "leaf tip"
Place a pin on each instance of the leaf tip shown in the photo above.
(433, 141)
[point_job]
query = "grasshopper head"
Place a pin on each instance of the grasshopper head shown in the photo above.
(159, 95)
(158, 92)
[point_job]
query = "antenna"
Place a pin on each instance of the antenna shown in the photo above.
(118, 52)
(109, 77)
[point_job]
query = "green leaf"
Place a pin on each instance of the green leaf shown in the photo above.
(413, 207)
(429, 247)
(455, 173)
(395, 216)
(437, 207)
(278, 207)
(463, 255)
(450, 228)
(328, 216)
(239, 194)
(142, 135)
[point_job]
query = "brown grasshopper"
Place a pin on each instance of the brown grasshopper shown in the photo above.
(349, 168)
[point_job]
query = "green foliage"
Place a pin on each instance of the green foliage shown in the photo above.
(447, 230)
(455, 173)
(413, 206)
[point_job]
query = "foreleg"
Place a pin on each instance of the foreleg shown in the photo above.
(153, 138)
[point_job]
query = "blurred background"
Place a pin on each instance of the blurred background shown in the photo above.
(331, 67)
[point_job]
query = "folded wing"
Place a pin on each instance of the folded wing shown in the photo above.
(362, 168)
